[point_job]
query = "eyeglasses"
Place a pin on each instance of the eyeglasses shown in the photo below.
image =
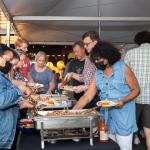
(87, 44)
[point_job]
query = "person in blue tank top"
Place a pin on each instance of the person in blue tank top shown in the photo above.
(117, 83)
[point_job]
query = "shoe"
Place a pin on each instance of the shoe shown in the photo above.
(142, 134)
(52, 141)
(76, 140)
(136, 140)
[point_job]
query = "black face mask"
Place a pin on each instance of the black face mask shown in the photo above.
(101, 66)
(6, 68)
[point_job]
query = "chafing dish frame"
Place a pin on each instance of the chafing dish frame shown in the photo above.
(44, 123)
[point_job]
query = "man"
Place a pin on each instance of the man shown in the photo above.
(90, 39)
(77, 65)
(139, 61)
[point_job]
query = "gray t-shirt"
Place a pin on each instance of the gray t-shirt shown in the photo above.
(44, 78)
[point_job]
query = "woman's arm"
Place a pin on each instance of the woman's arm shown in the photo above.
(133, 84)
(18, 82)
(88, 96)
(29, 77)
(51, 86)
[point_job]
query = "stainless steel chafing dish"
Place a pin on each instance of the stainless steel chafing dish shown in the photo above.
(65, 119)
(62, 101)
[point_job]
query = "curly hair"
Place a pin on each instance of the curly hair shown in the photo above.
(107, 51)
(142, 37)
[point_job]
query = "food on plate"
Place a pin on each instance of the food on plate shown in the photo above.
(45, 100)
(105, 103)
(68, 86)
(69, 113)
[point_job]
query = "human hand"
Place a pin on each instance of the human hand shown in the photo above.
(60, 85)
(68, 77)
(119, 103)
(26, 103)
(80, 88)
(26, 90)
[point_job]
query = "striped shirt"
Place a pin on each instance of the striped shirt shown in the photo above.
(139, 61)
(88, 71)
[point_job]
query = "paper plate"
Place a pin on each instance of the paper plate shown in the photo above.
(39, 85)
(72, 88)
(106, 103)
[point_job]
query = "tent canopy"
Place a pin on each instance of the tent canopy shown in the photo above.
(64, 21)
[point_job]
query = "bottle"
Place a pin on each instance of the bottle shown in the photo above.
(102, 131)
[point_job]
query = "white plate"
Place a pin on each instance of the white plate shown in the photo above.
(70, 88)
(111, 103)
(39, 85)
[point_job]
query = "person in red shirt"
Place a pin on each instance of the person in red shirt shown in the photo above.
(23, 45)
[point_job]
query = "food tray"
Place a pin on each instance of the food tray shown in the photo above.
(66, 121)
(46, 123)
(60, 101)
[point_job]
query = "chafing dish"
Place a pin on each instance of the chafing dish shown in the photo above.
(65, 119)
(61, 101)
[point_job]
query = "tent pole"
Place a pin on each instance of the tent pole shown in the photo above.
(99, 14)
(8, 34)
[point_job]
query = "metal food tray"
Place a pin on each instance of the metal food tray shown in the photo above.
(67, 121)
(56, 96)
(62, 101)
(46, 123)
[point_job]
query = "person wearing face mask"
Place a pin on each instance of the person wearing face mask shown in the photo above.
(22, 44)
(117, 83)
(10, 101)
(6, 68)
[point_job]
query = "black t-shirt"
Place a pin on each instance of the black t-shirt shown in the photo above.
(76, 66)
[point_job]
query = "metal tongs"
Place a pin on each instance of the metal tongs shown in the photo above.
(90, 110)
(64, 81)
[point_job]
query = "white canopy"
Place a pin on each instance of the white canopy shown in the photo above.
(64, 21)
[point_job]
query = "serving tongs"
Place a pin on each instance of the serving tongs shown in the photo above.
(90, 110)
(64, 81)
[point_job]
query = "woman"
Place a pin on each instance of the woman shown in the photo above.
(10, 97)
(40, 73)
(22, 44)
(117, 83)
